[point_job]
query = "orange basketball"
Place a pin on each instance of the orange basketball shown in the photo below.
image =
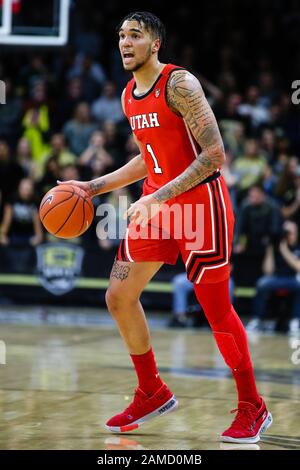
(66, 211)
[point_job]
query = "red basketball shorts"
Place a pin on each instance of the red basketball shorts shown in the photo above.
(198, 224)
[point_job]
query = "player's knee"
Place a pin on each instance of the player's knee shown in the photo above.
(117, 300)
(112, 299)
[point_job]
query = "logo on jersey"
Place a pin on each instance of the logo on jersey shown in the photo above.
(157, 92)
(141, 121)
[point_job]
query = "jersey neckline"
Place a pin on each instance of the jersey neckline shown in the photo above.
(140, 97)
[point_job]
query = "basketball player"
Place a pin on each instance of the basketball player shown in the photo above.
(181, 152)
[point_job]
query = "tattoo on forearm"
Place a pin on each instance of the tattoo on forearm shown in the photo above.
(95, 185)
(185, 97)
(193, 175)
(120, 271)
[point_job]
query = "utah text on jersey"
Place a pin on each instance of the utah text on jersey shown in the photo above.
(144, 120)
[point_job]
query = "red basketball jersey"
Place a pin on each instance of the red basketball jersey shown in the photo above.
(168, 146)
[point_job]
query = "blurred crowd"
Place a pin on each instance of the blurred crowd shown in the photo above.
(63, 118)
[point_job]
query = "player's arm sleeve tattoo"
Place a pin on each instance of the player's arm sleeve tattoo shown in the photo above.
(186, 98)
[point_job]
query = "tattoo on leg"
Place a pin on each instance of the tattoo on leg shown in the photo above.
(120, 271)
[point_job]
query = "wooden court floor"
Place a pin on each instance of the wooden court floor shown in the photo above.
(61, 383)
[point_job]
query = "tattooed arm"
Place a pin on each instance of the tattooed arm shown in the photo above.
(186, 98)
(133, 171)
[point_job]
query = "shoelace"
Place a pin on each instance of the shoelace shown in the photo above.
(137, 402)
(244, 418)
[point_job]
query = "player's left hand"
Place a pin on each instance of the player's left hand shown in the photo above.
(141, 211)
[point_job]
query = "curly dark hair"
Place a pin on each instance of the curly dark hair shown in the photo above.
(150, 22)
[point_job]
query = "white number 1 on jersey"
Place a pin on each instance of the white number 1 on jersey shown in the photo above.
(157, 168)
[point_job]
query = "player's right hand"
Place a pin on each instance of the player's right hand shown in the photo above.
(80, 184)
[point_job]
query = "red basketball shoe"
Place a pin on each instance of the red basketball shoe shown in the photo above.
(143, 408)
(248, 424)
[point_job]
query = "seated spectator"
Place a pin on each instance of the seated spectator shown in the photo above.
(51, 174)
(108, 107)
(268, 145)
(229, 117)
(235, 139)
(21, 226)
(114, 141)
(249, 168)
(258, 222)
(254, 109)
(91, 73)
(288, 191)
(10, 115)
(69, 172)
(36, 123)
(282, 271)
(11, 172)
(182, 287)
(78, 131)
(34, 71)
(24, 158)
(230, 178)
(267, 88)
(60, 151)
(95, 157)
(71, 96)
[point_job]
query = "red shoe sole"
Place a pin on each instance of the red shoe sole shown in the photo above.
(245, 440)
(164, 409)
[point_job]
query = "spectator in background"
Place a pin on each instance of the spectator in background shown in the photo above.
(78, 131)
(288, 121)
(115, 141)
(69, 172)
(21, 226)
(71, 97)
(257, 112)
(249, 168)
(108, 106)
(91, 73)
(258, 222)
(227, 82)
(268, 145)
(36, 123)
(235, 139)
(50, 176)
(10, 115)
(230, 177)
(24, 158)
(282, 271)
(182, 288)
(95, 158)
(60, 151)
(33, 72)
(288, 191)
(229, 116)
(11, 172)
(268, 92)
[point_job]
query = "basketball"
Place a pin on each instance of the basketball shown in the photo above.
(66, 211)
